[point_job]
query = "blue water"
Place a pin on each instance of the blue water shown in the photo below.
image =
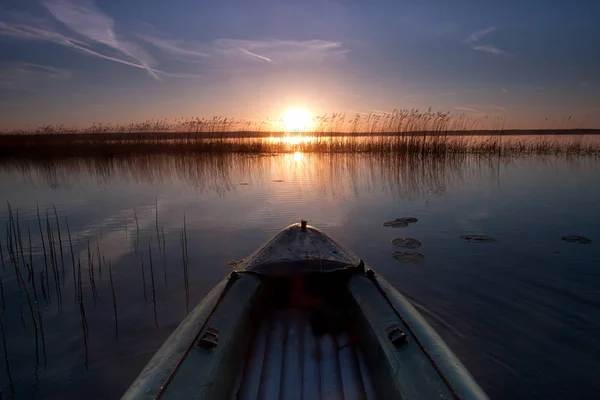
(522, 313)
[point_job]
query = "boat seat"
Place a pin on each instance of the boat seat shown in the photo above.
(288, 361)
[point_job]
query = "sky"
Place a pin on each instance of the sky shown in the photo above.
(536, 64)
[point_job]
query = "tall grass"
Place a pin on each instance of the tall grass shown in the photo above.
(401, 131)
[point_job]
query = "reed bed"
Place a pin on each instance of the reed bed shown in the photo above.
(46, 251)
(401, 131)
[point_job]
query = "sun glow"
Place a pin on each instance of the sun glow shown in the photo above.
(297, 120)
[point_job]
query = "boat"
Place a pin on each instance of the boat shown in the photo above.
(304, 318)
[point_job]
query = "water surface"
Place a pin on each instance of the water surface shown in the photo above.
(522, 313)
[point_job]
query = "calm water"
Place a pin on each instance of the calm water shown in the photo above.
(523, 313)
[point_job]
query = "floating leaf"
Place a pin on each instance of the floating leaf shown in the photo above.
(408, 220)
(409, 256)
(409, 243)
(478, 239)
(576, 239)
(395, 224)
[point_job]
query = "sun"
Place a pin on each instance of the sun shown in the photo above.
(297, 120)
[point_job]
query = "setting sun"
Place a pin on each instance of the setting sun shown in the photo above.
(297, 119)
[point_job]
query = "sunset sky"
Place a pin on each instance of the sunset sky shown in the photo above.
(79, 61)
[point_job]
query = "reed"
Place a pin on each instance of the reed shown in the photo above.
(84, 325)
(2, 257)
(15, 263)
(2, 294)
(152, 281)
(406, 131)
(112, 289)
(91, 272)
(184, 250)
(53, 258)
(35, 296)
(137, 232)
(157, 231)
(33, 319)
(72, 257)
(164, 247)
(60, 246)
(6, 358)
(45, 273)
(99, 261)
(143, 279)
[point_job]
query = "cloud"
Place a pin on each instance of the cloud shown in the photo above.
(86, 19)
(476, 36)
(270, 50)
(465, 109)
(480, 108)
(489, 49)
(26, 31)
(281, 51)
(179, 48)
(255, 55)
(504, 90)
(28, 76)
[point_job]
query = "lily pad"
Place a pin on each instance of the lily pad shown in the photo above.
(408, 220)
(478, 239)
(395, 224)
(409, 243)
(576, 239)
(413, 257)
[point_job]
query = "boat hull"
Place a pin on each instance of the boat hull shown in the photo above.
(250, 338)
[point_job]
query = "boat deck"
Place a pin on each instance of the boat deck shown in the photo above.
(288, 361)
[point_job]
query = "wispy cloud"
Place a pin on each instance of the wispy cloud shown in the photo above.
(489, 49)
(476, 36)
(86, 19)
(465, 109)
(27, 31)
(26, 76)
(178, 48)
(282, 51)
(270, 50)
(255, 55)
(480, 108)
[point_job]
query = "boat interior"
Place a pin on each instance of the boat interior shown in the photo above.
(303, 346)
(314, 336)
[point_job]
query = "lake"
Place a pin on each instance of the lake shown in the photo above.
(522, 313)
